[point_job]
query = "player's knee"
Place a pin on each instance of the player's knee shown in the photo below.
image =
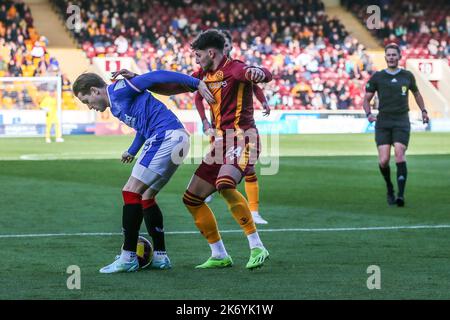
(192, 200)
(136, 186)
(384, 162)
(149, 194)
(400, 155)
(224, 183)
(131, 197)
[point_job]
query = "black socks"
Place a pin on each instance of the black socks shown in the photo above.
(386, 172)
(154, 222)
(402, 173)
(131, 223)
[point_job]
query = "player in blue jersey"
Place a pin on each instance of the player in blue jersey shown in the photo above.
(166, 144)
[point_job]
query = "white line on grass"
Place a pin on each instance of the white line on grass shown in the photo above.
(113, 156)
(93, 234)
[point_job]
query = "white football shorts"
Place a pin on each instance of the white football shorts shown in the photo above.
(160, 157)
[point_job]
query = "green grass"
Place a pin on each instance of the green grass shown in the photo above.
(326, 181)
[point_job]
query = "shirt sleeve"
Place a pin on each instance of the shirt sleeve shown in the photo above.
(259, 94)
(371, 85)
(147, 80)
(138, 141)
(200, 106)
(413, 85)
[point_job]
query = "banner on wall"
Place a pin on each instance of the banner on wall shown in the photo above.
(18, 123)
(431, 69)
(279, 122)
(31, 123)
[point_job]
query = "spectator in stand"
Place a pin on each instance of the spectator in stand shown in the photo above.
(296, 40)
(13, 69)
(122, 44)
(409, 23)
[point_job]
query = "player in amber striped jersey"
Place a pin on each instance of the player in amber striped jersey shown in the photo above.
(234, 151)
(251, 180)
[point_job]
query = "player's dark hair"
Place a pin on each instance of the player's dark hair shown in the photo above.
(393, 46)
(227, 34)
(86, 81)
(211, 38)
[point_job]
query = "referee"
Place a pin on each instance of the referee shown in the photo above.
(392, 123)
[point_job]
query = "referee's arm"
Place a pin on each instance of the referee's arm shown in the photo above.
(366, 105)
(419, 100)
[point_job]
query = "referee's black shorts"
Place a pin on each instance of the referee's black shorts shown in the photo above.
(391, 129)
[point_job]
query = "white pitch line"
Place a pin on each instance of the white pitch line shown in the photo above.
(93, 234)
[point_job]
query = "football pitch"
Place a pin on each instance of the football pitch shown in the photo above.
(61, 205)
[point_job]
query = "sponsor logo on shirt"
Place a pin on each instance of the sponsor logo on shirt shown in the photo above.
(129, 121)
(217, 85)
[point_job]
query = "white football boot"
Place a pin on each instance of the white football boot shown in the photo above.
(257, 218)
(120, 265)
(160, 261)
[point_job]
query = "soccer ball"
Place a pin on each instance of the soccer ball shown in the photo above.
(144, 252)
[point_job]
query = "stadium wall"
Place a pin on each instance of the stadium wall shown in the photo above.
(425, 71)
(281, 122)
(32, 123)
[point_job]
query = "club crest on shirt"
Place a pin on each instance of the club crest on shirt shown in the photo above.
(119, 85)
(219, 75)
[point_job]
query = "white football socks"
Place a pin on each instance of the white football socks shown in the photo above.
(218, 250)
(159, 255)
(254, 241)
(127, 256)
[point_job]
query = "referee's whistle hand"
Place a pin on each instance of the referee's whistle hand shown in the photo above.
(425, 118)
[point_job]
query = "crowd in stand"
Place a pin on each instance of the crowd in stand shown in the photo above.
(316, 64)
(23, 53)
(420, 27)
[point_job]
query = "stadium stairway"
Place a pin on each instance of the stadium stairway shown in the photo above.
(352, 25)
(357, 30)
(61, 45)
